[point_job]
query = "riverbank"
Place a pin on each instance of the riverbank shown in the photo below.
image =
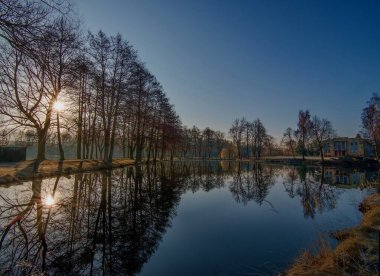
(357, 252)
(22, 171)
(348, 162)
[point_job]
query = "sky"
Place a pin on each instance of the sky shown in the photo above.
(220, 60)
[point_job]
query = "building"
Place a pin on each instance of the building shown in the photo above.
(344, 146)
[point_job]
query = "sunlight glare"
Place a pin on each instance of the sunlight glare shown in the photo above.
(49, 201)
(58, 106)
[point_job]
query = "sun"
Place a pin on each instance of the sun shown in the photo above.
(58, 106)
(49, 201)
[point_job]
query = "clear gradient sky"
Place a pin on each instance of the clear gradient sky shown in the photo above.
(218, 60)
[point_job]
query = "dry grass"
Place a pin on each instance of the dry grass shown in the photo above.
(356, 254)
(24, 170)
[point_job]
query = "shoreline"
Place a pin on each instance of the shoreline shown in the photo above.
(23, 171)
(357, 252)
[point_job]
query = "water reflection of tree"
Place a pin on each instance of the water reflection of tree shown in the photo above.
(111, 222)
(371, 180)
(309, 184)
(204, 176)
(26, 222)
(108, 223)
(254, 184)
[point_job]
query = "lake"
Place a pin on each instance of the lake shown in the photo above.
(180, 218)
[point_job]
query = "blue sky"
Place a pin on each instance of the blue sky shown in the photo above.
(219, 60)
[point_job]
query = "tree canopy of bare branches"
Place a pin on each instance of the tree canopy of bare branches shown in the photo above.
(371, 122)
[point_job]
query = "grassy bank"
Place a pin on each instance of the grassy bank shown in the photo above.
(357, 252)
(24, 170)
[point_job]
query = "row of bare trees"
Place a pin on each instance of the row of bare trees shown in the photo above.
(118, 102)
(111, 99)
(198, 143)
(250, 138)
(112, 102)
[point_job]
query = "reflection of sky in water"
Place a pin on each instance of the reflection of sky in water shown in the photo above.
(191, 220)
(213, 234)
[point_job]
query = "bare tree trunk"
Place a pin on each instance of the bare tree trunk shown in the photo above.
(61, 152)
(123, 146)
(322, 155)
(112, 138)
(80, 119)
(292, 149)
(41, 143)
(303, 152)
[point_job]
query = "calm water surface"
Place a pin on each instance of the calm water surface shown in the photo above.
(175, 219)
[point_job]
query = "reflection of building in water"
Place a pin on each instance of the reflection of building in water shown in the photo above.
(341, 177)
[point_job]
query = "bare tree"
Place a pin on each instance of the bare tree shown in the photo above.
(371, 122)
(303, 131)
(29, 87)
(24, 22)
(208, 134)
(289, 140)
(321, 131)
(4, 140)
(269, 144)
(219, 142)
(259, 135)
(236, 132)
